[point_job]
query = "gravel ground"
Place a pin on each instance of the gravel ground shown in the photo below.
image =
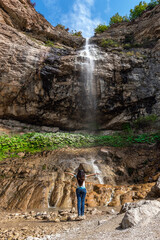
(108, 229)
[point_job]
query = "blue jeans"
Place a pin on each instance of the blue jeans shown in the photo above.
(81, 194)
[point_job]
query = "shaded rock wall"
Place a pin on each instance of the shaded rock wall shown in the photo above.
(39, 182)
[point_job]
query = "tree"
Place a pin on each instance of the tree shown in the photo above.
(138, 10)
(117, 19)
(101, 28)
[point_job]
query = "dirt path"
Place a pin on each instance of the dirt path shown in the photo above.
(90, 229)
(94, 227)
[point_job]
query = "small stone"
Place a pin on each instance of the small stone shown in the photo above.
(100, 222)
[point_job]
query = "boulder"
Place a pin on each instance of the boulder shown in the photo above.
(139, 213)
(157, 188)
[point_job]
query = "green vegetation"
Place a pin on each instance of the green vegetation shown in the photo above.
(10, 146)
(101, 28)
(117, 19)
(145, 121)
(49, 43)
(141, 123)
(134, 13)
(109, 43)
(77, 34)
(138, 10)
(62, 27)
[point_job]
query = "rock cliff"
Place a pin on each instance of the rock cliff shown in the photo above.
(41, 84)
(39, 182)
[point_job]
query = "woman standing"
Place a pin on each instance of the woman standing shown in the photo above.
(81, 190)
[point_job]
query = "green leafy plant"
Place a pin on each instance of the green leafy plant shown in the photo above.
(77, 34)
(62, 27)
(138, 10)
(144, 121)
(152, 4)
(32, 143)
(109, 43)
(101, 28)
(117, 19)
(49, 43)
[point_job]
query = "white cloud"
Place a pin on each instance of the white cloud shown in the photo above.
(80, 18)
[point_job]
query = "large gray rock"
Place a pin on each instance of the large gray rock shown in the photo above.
(140, 213)
(157, 188)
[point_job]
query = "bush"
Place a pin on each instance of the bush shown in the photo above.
(138, 10)
(109, 43)
(101, 28)
(145, 121)
(117, 19)
(152, 4)
(62, 27)
(77, 34)
(49, 43)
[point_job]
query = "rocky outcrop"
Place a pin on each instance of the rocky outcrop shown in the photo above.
(143, 30)
(21, 15)
(44, 85)
(140, 213)
(39, 182)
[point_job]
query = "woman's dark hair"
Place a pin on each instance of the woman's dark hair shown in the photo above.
(80, 177)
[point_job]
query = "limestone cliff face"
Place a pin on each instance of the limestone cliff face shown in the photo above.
(44, 85)
(39, 181)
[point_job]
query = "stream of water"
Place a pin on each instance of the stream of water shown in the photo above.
(97, 170)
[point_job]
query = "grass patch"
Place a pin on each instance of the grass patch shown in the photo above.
(10, 146)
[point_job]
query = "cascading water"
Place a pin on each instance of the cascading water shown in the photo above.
(97, 170)
(86, 59)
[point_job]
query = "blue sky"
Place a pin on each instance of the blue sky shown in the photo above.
(83, 15)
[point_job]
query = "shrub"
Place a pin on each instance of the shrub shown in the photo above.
(145, 121)
(117, 19)
(152, 4)
(77, 34)
(138, 10)
(109, 43)
(101, 28)
(49, 43)
(62, 27)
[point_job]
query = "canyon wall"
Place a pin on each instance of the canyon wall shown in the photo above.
(40, 182)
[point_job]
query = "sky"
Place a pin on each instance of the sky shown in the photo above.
(83, 15)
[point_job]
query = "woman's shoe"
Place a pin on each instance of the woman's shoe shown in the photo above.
(83, 217)
(78, 218)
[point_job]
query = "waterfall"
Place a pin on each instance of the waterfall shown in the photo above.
(97, 170)
(86, 60)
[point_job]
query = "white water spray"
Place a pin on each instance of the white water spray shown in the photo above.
(97, 170)
(87, 69)
(86, 61)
